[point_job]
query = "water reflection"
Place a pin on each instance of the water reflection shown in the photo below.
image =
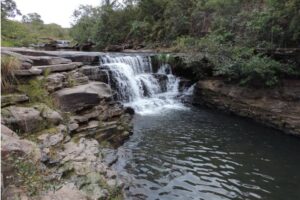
(199, 154)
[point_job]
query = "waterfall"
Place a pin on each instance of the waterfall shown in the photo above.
(138, 86)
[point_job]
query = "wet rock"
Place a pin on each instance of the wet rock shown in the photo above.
(162, 80)
(59, 67)
(12, 99)
(94, 73)
(22, 119)
(83, 96)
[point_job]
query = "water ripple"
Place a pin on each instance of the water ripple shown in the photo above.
(197, 154)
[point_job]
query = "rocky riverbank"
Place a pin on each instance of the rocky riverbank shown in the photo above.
(278, 107)
(60, 125)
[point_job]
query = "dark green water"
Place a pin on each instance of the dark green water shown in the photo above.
(201, 154)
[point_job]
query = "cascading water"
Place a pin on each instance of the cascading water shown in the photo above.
(139, 87)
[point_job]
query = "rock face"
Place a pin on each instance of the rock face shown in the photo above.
(278, 108)
(65, 145)
(83, 96)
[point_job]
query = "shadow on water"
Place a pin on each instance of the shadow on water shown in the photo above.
(202, 154)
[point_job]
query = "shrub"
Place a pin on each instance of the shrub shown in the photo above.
(255, 71)
(9, 65)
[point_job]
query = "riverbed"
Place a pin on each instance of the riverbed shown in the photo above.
(196, 153)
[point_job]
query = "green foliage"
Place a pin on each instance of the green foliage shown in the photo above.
(37, 92)
(261, 23)
(256, 71)
(31, 31)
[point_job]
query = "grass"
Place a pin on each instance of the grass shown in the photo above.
(9, 65)
(37, 92)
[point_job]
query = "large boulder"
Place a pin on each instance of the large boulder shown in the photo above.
(30, 119)
(82, 96)
(22, 119)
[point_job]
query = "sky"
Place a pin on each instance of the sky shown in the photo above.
(53, 11)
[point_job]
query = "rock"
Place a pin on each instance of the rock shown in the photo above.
(75, 78)
(114, 48)
(67, 192)
(73, 126)
(162, 80)
(129, 110)
(25, 62)
(11, 144)
(56, 81)
(86, 58)
(22, 119)
(52, 139)
(12, 99)
(51, 116)
(272, 107)
(47, 60)
(59, 67)
(83, 150)
(94, 73)
(83, 96)
(12, 193)
(28, 72)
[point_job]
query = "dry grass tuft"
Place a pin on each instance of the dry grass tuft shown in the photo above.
(9, 65)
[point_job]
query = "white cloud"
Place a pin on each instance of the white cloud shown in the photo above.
(53, 11)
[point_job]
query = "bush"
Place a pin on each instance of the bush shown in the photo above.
(8, 66)
(255, 71)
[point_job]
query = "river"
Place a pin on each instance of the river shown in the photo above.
(201, 154)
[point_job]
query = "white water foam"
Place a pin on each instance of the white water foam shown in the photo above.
(139, 88)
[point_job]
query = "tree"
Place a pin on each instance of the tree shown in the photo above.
(9, 9)
(32, 18)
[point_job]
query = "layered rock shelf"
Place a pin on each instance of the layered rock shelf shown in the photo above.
(278, 108)
(61, 123)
